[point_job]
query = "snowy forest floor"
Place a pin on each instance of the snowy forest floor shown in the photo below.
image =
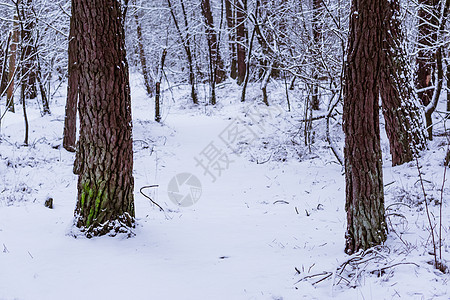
(270, 223)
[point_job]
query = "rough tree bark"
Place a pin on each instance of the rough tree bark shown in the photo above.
(104, 159)
(366, 226)
(428, 24)
(70, 120)
(403, 126)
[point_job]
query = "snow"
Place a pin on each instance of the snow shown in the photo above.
(253, 226)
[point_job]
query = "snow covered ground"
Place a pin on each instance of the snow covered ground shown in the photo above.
(269, 220)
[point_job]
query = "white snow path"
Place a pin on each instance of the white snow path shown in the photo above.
(233, 244)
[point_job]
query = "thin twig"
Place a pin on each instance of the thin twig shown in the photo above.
(147, 187)
(428, 213)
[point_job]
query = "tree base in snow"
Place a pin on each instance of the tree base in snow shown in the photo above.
(121, 227)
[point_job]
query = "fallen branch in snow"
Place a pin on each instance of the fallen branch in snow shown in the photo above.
(147, 187)
(352, 268)
(322, 116)
(281, 201)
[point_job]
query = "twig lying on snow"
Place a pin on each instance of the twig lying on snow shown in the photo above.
(352, 268)
(147, 187)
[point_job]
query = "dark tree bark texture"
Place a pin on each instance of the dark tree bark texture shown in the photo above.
(70, 120)
(366, 226)
(403, 126)
(104, 159)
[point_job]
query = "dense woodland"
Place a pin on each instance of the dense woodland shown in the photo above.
(348, 63)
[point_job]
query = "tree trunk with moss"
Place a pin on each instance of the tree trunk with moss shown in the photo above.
(366, 226)
(402, 116)
(104, 159)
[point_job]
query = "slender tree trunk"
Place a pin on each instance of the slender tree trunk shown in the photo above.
(12, 65)
(104, 160)
(70, 120)
(448, 84)
(148, 80)
(231, 37)
(402, 116)
(4, 60)
(158, 86)
(241, 39)
(25, 115)
(213, 45)
(29, 62)
(185, 40)
(428, 24)
(44, 98)
(247, 72)
(366, 226)
(264, 83)
(317, 32)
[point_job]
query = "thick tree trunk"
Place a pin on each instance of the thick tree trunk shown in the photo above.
(70, 120)
(231, 37)
(428, 27)
(241, 38)
(366, 226)
(104, 160)
(402, 116)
